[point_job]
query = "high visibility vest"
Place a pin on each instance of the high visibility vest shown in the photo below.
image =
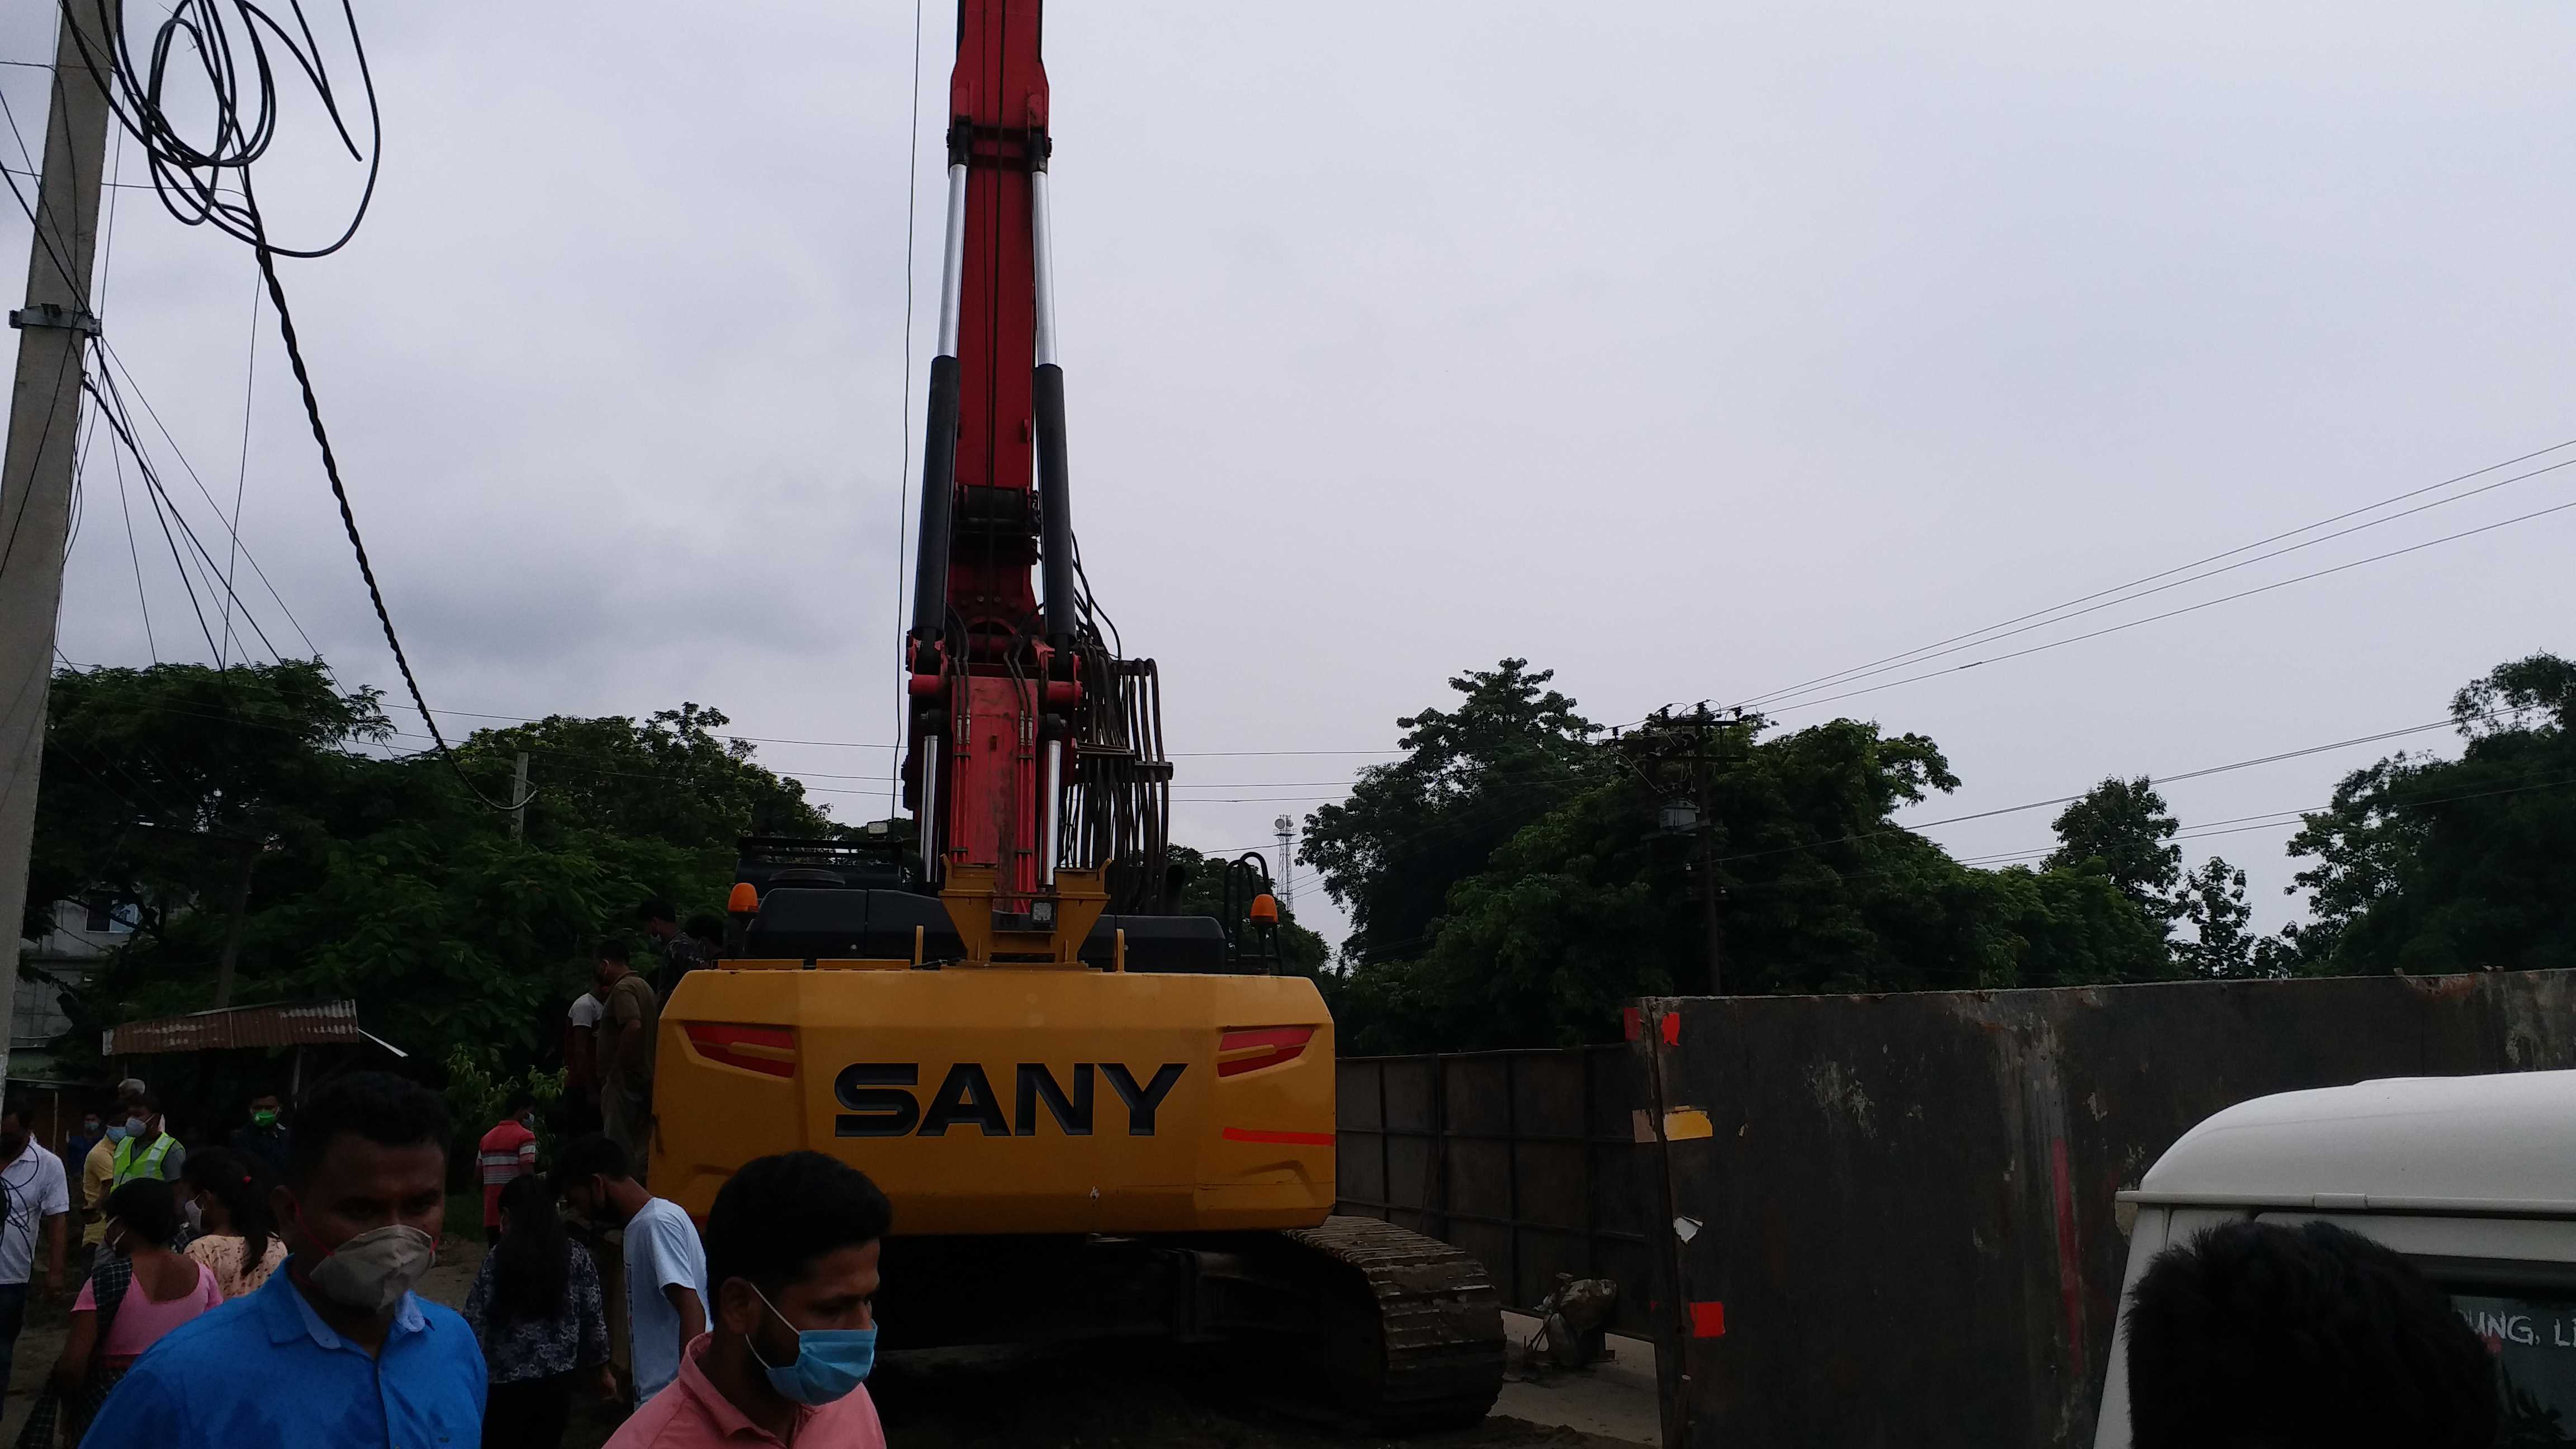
(130, 1167)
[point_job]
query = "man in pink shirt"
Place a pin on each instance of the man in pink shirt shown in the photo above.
(792, 1267)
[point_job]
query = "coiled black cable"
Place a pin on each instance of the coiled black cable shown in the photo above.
(231, 41)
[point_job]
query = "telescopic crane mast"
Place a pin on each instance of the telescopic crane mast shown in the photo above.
(1031, 744)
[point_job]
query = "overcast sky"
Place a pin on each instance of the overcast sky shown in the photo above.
(1689, 350)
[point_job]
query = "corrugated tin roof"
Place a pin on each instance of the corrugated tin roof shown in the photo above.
(310, 1023)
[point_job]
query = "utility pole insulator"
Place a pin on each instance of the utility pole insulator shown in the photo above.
(48, 314)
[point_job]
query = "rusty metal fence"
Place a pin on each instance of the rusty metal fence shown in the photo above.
(1527, 1159)
(1893, 1218)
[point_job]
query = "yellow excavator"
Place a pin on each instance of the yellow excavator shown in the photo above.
(1095, 1117)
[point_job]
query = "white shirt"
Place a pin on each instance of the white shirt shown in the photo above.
(662, 1251)
(585, 1010)
(36, 1189)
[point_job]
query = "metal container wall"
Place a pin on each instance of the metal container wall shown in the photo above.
(1902, 1216)
(1526, 1159)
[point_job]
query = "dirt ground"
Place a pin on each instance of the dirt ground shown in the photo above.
(1088, 1402)
(1127, 1398)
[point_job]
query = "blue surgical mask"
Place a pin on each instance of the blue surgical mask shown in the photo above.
(830, 1362)
(116, 1133)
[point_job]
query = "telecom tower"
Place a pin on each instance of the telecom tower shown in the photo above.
(1287, 830)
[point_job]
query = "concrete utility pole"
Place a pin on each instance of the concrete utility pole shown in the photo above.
(246, 856)
(44, 426)
(1708, 893)
(519, 798)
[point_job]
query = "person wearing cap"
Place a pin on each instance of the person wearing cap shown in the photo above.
(148, 1149)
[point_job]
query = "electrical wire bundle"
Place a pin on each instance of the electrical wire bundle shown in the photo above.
(227, 42)
(237, 49)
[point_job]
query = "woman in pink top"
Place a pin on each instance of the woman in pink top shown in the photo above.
(229, 1205)
(159, 1291)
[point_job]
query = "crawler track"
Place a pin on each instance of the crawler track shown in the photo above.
(1421, 1345)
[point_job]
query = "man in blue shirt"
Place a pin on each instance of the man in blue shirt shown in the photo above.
(334, 1349)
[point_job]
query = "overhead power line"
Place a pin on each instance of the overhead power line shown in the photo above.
(881, 745)
(2186, 609)
(230, 42)
(2055, 618)
(1973, 636)
(131, 385)
(1912, 826)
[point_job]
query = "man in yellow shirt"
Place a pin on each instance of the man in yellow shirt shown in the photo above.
(98, 1174)
(98, 1170)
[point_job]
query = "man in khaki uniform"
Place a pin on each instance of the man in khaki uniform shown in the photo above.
(630, 1017)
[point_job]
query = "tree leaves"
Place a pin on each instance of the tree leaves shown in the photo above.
(2427, 865)
(2122, 830)
(1541, 909)
(378, 878)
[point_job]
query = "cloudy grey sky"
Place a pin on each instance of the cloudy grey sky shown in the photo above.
(1689, 350)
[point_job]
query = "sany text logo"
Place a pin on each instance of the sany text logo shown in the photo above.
(877, 1100)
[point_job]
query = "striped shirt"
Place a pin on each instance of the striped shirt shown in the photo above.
(509, 1151)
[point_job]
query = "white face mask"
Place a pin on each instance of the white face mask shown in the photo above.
(196, 1216)
(372, 1271)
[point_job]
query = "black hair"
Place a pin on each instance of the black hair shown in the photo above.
(147, 1207)
(596, 1155)
(378, 1106)
(2252, 1334)
(16, 1106)
(240, 1185)
(778, 1214)
(656, 909)
(271, 1093)
(705, 927)
(520, 1100)
(614, 948)
(533, 1260)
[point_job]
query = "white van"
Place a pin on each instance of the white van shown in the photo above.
(2472, 1178)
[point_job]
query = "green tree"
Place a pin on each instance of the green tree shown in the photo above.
(668, 777)
(2212, 902)
(377, 878)
(2426, 865)
(156, 779)
(2121, 829)
(1470, 779)
(1593, 902)
(1301, 951)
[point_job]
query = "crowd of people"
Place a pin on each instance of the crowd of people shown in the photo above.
(227, 1308)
